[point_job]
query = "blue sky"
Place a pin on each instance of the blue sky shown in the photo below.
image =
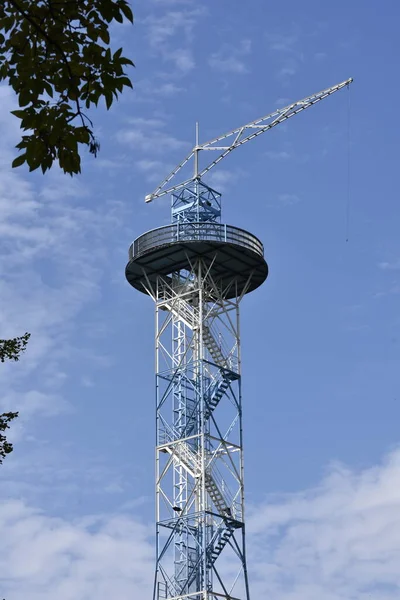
(320, 338)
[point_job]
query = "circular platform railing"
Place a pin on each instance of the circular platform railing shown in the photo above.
(213, 232)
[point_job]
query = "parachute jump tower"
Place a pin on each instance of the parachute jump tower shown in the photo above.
(197, 270)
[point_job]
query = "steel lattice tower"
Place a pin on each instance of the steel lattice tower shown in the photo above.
(197, 270)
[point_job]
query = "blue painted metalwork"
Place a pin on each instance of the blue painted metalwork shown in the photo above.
(197, 270)
(199, 464)
(196, 203)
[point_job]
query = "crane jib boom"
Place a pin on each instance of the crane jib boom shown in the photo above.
(238, 137)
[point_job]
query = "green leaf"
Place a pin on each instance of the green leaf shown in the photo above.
(108, 98)
(20, 114)
(126, 61)
(125, 81)
(128, 14)
(104, 36)
(17, 162)
(48, 88)
(24, 98)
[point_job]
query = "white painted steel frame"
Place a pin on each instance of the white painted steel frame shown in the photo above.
(237, 137)
(199, 456)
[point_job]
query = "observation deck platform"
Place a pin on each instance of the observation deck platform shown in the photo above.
(234, 255)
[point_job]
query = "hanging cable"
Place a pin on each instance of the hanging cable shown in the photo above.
(348, 199)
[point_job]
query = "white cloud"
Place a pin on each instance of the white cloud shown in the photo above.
(168, 89)
(282, 42)
(230, 58)
(337, 541)
(153, 170)
(172, 2)
(288, 199)
(171, 36)
(154, 90)
(182, 59)
(148, 165)
(394, 289)
(278, 155)
(45, 558)
(35, 403)
(286, 53)
(152, 142)
(146, 136)
(51, 246)
(149, 123)
(222, 179)
(287, 71)
(31, 404)
(390, 265)
(171, 24)
(281, 102)
(110, 164)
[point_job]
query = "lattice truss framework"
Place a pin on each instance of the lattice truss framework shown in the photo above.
(199, 465)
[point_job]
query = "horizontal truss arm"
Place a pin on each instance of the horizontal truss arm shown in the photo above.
(242, 135)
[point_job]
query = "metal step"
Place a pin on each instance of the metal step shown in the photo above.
(187, 458)
(168, 588)
(223, 539)
(216, 495)
(190, 461)
(216, 396)
(213, 347)
(181, 309)
(219, 390)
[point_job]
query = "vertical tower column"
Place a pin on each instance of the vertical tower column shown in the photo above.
(199, 465)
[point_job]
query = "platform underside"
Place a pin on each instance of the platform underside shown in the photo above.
(234, 268)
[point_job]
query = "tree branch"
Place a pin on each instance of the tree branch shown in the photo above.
(50, 41)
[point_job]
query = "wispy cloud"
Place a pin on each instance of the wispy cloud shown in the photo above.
(168, 89)
(153, 170)
(172, 2)
(281, 42)
(222, 179)
(142, 122)
(390, 265)
(154, 142)
(154, 91)
(147, 135)
(281, 102)
(288, 199)
(163, 28)
(50, 226)
(278, 155)
(230, 58)
(51, 557)
(287, 71)
(392, 290)
(171, 36)
(338, 540)
(148, 165)
(287, 53)
(182, 58)
(35, 403)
